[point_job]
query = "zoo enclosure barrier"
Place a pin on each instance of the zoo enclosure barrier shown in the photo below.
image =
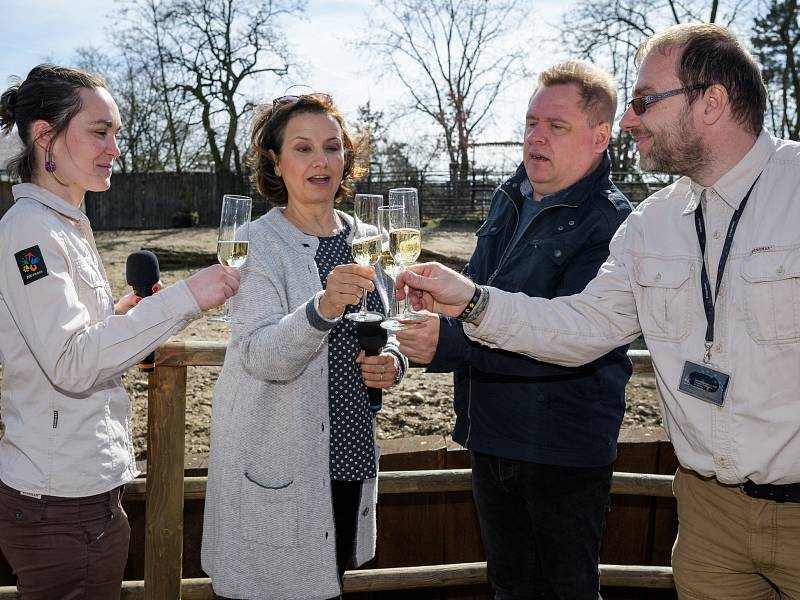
(165, 488)
(165, 200)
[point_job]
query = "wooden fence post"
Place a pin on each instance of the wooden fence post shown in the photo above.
(166, 420)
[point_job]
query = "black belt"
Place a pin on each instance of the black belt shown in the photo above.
(789, 492)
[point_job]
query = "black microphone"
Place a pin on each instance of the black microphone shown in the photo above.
(142, 273)
(372, 338)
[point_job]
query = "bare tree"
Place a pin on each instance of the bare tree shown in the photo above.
(453, 57)
(144, 40)
(776, 40)
(217, 45)
(608, 32)
(140, 140)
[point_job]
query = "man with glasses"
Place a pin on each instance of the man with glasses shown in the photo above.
(542, 438)
(708, 270)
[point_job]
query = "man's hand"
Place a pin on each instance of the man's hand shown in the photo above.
(213, 285)
(436, 288)
(419, 341)
(345, 286)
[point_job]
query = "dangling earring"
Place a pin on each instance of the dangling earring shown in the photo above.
(49, 164)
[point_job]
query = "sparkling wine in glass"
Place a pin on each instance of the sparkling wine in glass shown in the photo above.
(367, 245)
(233, 240)
(389, 218)
(405, 240)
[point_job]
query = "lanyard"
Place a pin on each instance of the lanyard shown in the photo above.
(708, 298)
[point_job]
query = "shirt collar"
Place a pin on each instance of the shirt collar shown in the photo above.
(733, 185)
(573, 195)
(49, 199)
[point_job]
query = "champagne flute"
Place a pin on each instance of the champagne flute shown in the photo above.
(233, 240)
(405, 240)
(366, 246)
(390, 217)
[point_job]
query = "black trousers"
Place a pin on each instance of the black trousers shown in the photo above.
(346, 497)
(541, 527)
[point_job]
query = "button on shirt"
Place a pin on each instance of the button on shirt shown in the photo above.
(67, 417)
(651, 284)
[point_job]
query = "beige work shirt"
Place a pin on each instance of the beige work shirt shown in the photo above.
(67, 417)
(651, 284)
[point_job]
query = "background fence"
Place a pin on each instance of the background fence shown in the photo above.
(164, 200)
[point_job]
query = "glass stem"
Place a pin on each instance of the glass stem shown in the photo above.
(364, 303)
(227, 314)
(406, 306)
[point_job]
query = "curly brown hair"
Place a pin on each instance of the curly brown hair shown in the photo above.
(267, 138)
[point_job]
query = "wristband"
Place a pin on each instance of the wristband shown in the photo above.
(476, 296)
(480, 306)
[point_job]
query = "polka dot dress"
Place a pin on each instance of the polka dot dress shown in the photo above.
(352, 451)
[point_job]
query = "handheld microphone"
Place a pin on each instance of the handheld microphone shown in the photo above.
(372, 337)
(142, 273)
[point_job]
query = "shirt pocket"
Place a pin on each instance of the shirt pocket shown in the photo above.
(663, 307)
(772, 296)
(91, 290)
(269, 512)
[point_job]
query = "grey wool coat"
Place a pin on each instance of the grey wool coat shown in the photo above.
(269, 529)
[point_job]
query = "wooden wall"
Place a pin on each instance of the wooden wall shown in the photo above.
(441, 528)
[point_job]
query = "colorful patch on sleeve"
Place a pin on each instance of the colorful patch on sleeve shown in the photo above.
(31, 264)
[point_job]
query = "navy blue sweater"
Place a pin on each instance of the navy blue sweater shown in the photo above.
(511, 405)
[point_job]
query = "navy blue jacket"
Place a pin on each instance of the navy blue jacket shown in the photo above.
(511, 405)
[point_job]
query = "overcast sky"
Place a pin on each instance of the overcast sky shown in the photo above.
(39, 30)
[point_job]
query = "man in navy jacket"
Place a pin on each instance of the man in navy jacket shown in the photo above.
(543, 438)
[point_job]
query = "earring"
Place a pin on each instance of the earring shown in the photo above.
(49, 164)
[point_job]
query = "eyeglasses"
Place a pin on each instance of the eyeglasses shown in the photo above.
(641, 103)
(294, 99)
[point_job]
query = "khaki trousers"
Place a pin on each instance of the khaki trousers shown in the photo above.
(731, 546)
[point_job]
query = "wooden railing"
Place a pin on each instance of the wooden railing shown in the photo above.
(165, 489)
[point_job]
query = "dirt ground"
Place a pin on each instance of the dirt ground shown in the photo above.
(421, 405)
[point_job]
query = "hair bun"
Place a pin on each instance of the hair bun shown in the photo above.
(8, 106)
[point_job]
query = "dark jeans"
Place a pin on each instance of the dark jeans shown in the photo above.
(65, 548)
(541, 527)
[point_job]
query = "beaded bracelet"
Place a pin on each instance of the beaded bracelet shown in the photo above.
(480, 306)
(471, 304)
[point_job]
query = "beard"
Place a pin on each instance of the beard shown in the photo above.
(676, 149)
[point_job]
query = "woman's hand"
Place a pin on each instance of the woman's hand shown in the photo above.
(129, 300)
(379, 371)
(345, 286)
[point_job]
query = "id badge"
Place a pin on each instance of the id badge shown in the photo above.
(704, 383)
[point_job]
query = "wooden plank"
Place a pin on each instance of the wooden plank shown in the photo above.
(628, 524)
(430, 481)
(166, 420)
(411, 578)
(411, 525)
(212, 354)
(462, 535)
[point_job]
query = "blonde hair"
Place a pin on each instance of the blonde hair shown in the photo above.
(711, 54)
(597, 88)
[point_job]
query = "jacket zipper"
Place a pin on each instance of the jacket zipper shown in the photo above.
(511, 244)
(489, 281)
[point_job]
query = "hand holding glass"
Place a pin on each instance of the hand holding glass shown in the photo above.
(233, 241)
(367, 243)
